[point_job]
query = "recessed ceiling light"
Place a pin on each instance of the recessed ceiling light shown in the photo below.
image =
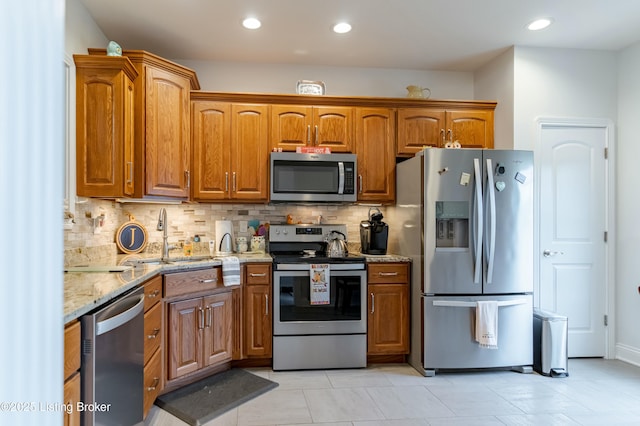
(539, 24)
(342, 27)
(251, 23)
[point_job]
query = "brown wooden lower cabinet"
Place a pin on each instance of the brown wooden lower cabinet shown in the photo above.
(199, 333)
(388, 309)
(153, 381)
(257, 311)
(71, 373)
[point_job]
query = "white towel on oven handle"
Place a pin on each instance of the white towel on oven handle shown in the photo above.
(487, 323)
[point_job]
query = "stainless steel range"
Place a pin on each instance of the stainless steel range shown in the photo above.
(319, 302)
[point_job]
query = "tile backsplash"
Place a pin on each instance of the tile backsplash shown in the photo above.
(92, 232)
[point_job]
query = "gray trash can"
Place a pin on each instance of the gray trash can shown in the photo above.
(550, 343)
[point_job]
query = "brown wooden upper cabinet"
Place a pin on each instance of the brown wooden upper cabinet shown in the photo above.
(422, 127)
(162, 141)
(104, 126)
(230, 151)
(375, 147)
(295, 126)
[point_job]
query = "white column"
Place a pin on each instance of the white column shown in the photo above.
(31, 178)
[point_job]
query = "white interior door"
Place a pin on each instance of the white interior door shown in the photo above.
(573, 222)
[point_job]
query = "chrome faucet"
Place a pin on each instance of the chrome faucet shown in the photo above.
(162, 226)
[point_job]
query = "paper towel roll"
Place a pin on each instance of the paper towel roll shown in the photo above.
(224, 227)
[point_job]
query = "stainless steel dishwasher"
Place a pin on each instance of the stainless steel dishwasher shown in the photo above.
(113, 363)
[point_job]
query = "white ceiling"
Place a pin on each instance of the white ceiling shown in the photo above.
(450, 35)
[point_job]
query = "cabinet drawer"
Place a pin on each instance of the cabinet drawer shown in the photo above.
(71, 348)
(152, 292)
(189, 282)
(259, 273)
(152, 381)
(152, 331)
(388, 272)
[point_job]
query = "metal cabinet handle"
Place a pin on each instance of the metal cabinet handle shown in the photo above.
(316, 143)
(156, 331)
(235, 188)
(549, 253)
(201, 318)
(442, 136)
(226, 181)
(253, 274)
(209, 317)
(187, 174)
(360, 184)
(387, 274)
(207, 281)
(373, 303)
(130, 164)
(266, 305)
(156, 381)
(153, 294)
(450, 133)
(308, 134)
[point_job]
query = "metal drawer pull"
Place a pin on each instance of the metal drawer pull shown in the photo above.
(156, 381)
(458, 304)
(201, 319)
(387, 274)
(156, 331)
(253, 274)
(209, 318)
(373, 303)
(266, 304)
(153, 294)
(207, 281)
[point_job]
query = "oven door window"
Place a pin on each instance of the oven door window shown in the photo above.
(345, 300)
(304, 177)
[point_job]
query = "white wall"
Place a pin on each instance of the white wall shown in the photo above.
(339, 81)
(628, 207)
(561, 83)
(81, 31)
(495, 81)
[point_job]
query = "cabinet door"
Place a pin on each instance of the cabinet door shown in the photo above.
(72, 397)
(184, 352)
(211, 130)
(290, 126)
(104, 123)
(388, 319)
(333, 128)
(218, 314)
(419, 127)
(249, 147)
(167, 137)
(473, 129)
(257, 321)
(375, 130)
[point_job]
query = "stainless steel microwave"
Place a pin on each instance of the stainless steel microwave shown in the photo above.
(330, 178)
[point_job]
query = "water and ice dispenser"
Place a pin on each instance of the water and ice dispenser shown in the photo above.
(452, 224)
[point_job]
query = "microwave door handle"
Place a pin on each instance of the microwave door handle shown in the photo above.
(340, 177)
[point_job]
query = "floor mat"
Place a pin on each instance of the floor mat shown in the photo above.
(208, 398)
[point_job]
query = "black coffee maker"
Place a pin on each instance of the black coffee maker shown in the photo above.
(374, 234)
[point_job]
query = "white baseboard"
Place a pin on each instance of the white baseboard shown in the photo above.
(628, 354)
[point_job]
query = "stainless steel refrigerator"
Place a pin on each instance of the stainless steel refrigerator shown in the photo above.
(465, 217)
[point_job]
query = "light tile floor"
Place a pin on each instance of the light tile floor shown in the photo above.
(597, 392)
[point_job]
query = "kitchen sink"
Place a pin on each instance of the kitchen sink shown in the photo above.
(176, 261)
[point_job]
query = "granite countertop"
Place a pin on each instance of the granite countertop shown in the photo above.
(86, 291)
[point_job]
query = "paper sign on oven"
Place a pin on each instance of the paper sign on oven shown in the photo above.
(319, 282)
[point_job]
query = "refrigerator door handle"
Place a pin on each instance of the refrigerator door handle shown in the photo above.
(460, 304)
(492, 220)
(478, 222)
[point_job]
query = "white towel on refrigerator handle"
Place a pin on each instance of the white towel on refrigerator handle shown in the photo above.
(230, 270)
(487, 324)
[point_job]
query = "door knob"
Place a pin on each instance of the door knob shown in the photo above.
(549, 253)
